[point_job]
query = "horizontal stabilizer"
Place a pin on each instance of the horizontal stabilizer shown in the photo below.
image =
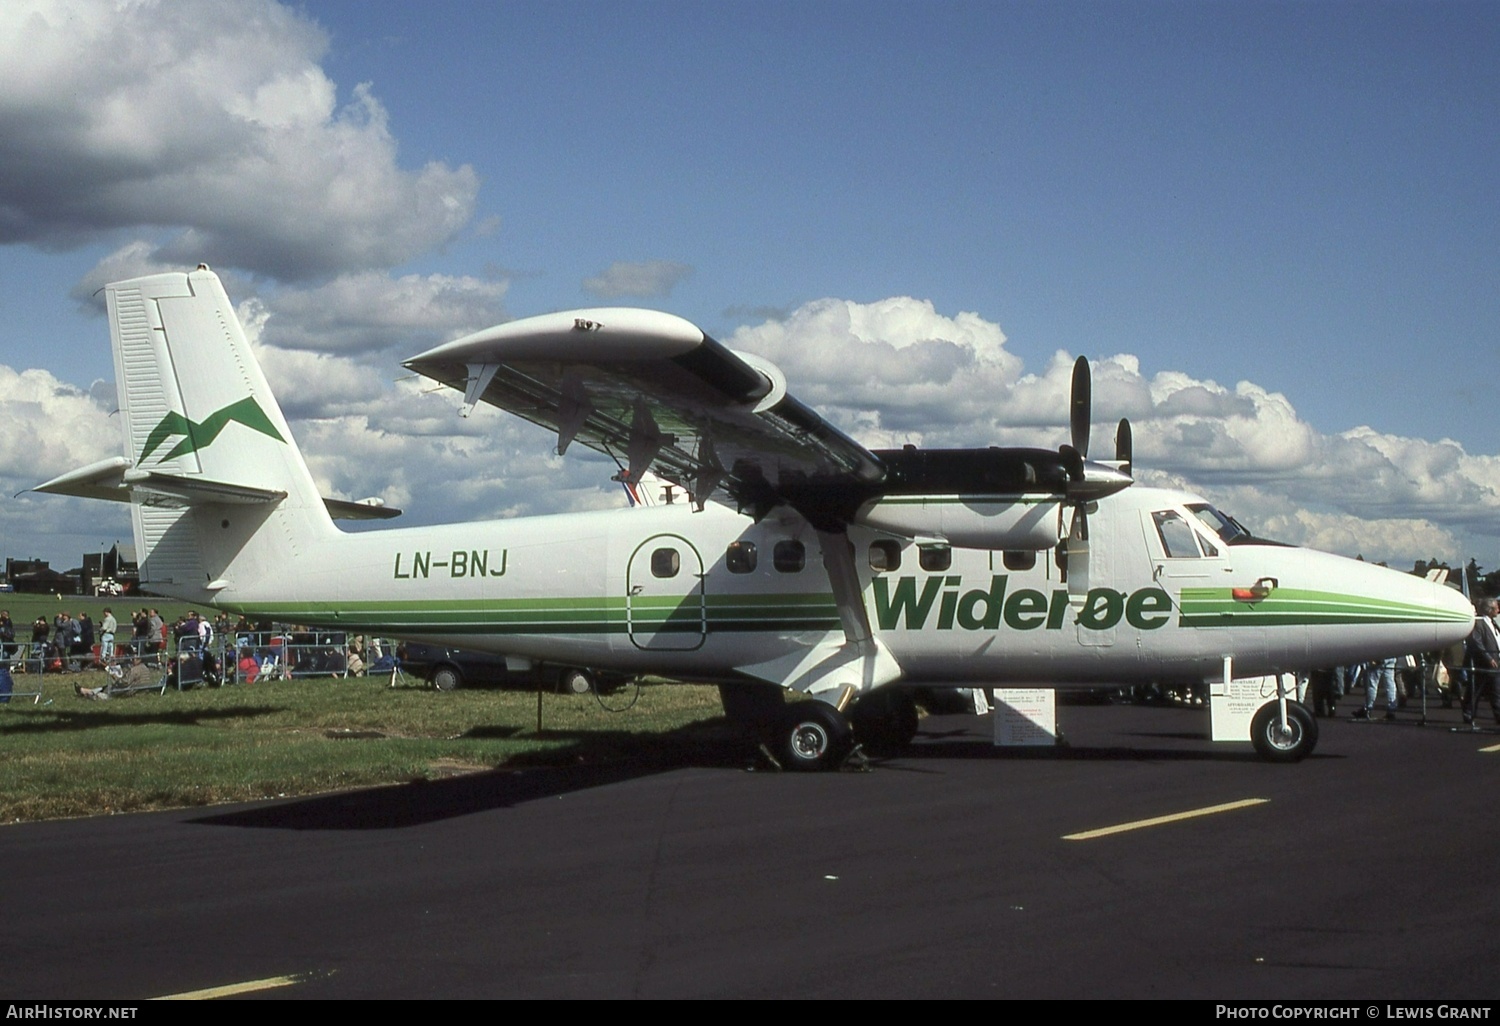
(114, 480)
(102, 480)
(364, 509)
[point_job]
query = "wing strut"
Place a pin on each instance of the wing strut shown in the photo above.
(836, 669)
(838, 561)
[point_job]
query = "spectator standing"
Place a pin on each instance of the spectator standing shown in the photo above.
(1483, 647)
(157, 631)
(107, 628)
(84, 648)
(1381, 678)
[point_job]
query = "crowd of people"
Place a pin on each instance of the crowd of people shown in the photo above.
(192, 650)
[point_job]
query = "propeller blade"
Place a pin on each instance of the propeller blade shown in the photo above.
(1080, 406)
(1076, 552)
(1124, 444)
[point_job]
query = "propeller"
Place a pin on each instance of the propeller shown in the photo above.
(1076, 547)
(1087, 482)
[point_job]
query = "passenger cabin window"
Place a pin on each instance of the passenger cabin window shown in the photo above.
(789, 556)
(1178, 540)
(934, 558)
(1019, 559)
(665, 563)
(885, 555)
(740, 557)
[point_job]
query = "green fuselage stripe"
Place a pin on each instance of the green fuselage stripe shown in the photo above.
(1217, 607)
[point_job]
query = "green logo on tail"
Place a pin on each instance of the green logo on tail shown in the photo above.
(201, 435)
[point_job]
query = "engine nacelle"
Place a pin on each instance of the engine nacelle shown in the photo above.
(968, 522)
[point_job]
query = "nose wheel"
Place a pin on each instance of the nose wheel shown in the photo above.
(1291, 743)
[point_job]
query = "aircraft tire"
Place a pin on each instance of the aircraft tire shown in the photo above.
(1296, 744)
(575, 682)
(885, 721)
(446, 678)
(812, 736)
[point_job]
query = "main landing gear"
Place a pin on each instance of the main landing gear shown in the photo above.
(814, 735)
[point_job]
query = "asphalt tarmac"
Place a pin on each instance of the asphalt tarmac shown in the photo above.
(1362, 873)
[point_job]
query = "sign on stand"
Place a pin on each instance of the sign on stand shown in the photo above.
(1027, 717)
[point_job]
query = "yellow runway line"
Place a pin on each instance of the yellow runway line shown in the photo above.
(1141, 824)
(231, 989)
(1491, 748)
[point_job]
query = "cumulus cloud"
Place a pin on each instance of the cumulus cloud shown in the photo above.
(48, 427)
(212, 122)
(369, 311)
(897, 367)
(898, 371)
(649, 279)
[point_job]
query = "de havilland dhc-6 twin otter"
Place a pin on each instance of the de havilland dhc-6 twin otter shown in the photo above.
(798, 561)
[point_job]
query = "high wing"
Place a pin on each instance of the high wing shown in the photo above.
(658, 395)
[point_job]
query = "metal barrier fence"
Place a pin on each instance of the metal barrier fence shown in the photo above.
(280, 653)
(283, 653)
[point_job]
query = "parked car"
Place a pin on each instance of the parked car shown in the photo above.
(447, 668)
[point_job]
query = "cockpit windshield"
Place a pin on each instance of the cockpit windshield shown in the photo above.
(1225, 526)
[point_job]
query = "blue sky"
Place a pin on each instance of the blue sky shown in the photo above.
(1297, 196)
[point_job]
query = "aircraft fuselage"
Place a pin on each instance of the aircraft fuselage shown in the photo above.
(712, 595)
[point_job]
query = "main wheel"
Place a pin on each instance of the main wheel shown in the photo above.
(1293, 744)
(575, 682)
(885, 721)
(446, 678)
(813, 735)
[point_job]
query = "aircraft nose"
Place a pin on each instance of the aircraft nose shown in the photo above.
(1452, 605)
(1453, 615)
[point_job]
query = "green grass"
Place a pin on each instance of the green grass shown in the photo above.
(69, 756)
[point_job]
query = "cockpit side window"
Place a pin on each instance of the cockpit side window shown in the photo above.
(1230, 530)
(1178, 540)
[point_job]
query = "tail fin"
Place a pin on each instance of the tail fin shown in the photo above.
(210, 463)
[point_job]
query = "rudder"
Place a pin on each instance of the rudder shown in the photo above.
(203, 434)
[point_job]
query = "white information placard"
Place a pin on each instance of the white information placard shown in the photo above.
(1231, 706)
(1028, 716)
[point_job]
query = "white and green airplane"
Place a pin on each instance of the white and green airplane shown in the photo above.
(797, 560)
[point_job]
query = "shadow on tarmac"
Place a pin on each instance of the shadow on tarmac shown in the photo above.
(596, 760)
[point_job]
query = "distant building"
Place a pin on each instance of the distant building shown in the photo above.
(36, 577)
